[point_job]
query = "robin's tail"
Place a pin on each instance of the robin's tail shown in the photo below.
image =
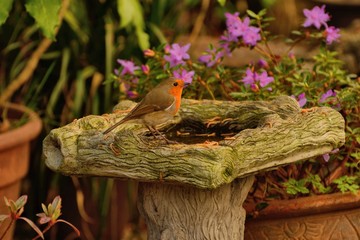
(115, 125)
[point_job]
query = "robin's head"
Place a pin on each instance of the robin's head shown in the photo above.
(175, 86)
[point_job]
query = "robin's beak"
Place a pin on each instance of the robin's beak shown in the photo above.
(186, 84)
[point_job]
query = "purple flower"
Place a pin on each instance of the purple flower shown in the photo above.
(225, 41)
(212, 57)
(253, 77)
(264, 79)
(332, 34)
(326, 156)
(238, 28)
(316, 17)
(128, 67)
(130, 93)
(301, 99)
(250, 77)
(232, 19)
(329, 93)
(263, 63)
(177, 54)
(252, 36)
(186, 76)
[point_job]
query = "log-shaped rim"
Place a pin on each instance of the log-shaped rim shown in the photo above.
(306, 205)
(24, 133)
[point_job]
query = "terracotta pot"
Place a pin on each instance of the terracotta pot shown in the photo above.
(323, 217)
(15, 154)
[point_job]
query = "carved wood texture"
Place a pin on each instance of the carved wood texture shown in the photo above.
(175, 212)
(268, 134)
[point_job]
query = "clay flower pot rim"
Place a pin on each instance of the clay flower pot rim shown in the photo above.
(23, 133)
(307, 205)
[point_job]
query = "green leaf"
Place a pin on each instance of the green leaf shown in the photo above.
(294, 186)
(56, 203)
(143, 39)
(44, 208)
(131, 13)
(356, 155)
(315, 180)
(33, 226)
(45, 13)
(222, 2)
(5, 9)
(21, 201)
(347, 183)
(7, 203)
(252, 14)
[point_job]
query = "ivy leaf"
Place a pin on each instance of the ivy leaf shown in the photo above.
(45, 13)
(5, 9)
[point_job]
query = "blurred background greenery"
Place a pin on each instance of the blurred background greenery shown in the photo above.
(69, 83)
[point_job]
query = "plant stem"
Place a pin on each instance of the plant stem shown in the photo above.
(44, 231)
(7, 229)
(199, 21)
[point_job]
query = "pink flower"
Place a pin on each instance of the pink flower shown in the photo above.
(128, 67)
(264, 79)
(237, 28)
(251, 36)
(211, 57)
(186, 76)
(253, 77)
(145, 69)
(325, 96)
(316, 17)
(250, 77)
(326, 156)
(177, 54)
(301, 99)
(332, 34)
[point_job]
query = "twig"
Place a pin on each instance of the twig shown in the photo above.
(199, 20)
(7, 228)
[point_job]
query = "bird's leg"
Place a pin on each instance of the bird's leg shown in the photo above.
(154, 131)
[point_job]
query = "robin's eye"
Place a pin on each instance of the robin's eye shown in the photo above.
(175, 84)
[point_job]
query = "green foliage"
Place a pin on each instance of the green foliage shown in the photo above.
(294, 186)
(50, 215)
(131, 14)
(16, 209)
(5, 9)
(348, 183)
(316, 182)
(45, 13)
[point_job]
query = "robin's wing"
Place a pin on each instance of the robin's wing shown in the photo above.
(152, 102)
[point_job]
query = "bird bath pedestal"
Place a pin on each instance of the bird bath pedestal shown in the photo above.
(195, 189)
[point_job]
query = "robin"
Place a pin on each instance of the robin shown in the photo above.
(158, 106)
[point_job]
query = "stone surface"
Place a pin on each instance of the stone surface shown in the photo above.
(266, 134)
(188, 213)
(342, 225)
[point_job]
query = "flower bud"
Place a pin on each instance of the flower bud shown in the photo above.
(149, 53)
(145, 69)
